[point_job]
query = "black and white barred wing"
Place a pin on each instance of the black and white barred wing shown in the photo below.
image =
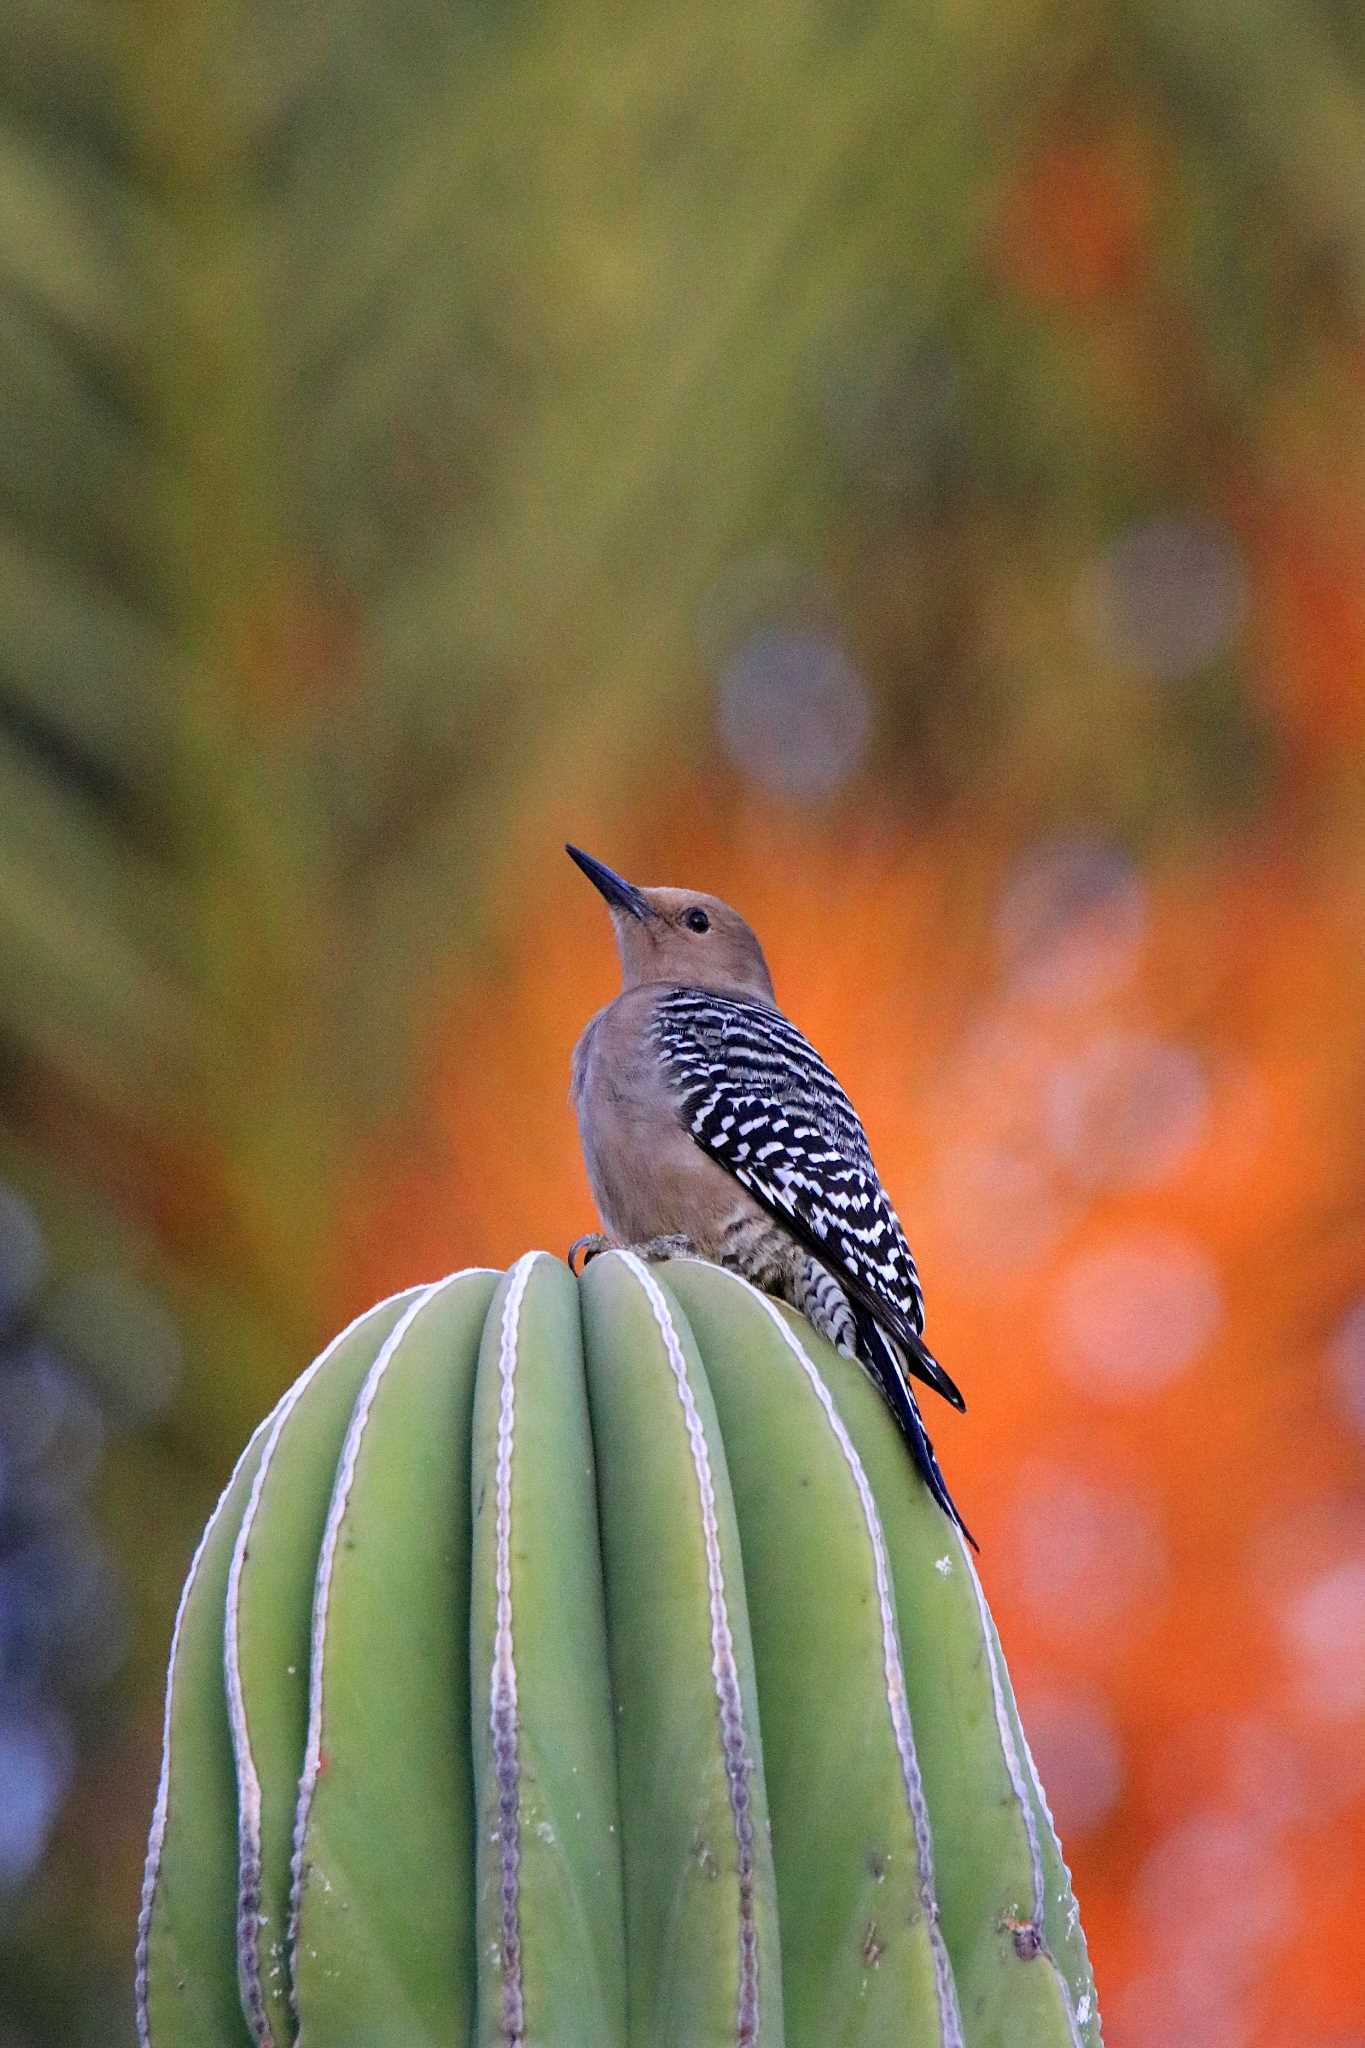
(758, 1097)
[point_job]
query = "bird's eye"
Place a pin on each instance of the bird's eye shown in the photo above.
(696, 920)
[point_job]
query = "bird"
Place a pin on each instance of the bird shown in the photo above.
(711, 1128)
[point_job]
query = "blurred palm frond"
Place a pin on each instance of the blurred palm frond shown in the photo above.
(361, 379)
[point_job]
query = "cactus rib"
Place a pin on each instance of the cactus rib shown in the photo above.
(1029, 1934)
(1055, 1924)
(701, 1905)
(1016, 1974)
(382, 1901)
(220, 1525)
(548, 1913)
(268, 1593)
(198, 1991)
(949, 2018)
(502, 1707)
(739, 1763)
(862, 1948)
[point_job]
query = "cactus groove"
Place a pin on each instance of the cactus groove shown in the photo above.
(577, 1662)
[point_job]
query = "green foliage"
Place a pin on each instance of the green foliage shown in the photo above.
(597, 1671)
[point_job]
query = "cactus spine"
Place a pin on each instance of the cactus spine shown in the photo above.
(578, 1662)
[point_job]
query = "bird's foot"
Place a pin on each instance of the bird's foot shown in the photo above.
(674, 1245)
(590, 1245)
(671, 1246)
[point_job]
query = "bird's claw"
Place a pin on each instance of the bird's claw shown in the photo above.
(590, 1244)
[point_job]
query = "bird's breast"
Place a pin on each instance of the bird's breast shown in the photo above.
(648, 1176)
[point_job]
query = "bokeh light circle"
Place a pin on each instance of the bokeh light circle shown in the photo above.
(1131, 1317)
(1218, 1886)
(1076, 1747)
(1346, 1361)
(1214, 1896)
(1126, 1110)
(35, 1770)
(998, 1209)
(1084, 1551)
(794, 712)
(52, 1429)
(1071, 921)
(1166, 598)
(1323, 1626)
(22, 1255)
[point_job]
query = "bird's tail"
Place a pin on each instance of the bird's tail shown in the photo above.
(920, 1360)
(878, 1354)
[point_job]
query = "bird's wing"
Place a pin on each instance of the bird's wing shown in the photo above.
(756, 1095)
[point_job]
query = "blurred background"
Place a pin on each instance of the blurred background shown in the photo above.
(898, 467)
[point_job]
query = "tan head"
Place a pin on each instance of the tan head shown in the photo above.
(679, 936)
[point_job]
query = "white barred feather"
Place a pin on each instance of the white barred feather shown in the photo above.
(756, 1095)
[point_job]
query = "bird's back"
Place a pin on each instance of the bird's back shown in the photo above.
(758, 1097)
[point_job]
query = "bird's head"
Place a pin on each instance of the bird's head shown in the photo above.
(679, 936)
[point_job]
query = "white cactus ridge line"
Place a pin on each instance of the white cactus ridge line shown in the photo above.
(893, 1671)
(1088, 2005)
(1033, 1937)
(248, 1782)
(157, 1838)
(502, 1706)
(738, 1760)
(1004, 1727)
(1088, 2008)
(341, 1494)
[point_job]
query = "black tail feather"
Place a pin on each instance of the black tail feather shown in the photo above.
(920, 1360)
(879, 1355)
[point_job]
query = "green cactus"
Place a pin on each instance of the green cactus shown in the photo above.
(579, 1663)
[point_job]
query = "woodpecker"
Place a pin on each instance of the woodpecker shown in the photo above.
(712, 1128)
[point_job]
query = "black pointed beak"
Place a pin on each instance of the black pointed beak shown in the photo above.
(620, 894)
